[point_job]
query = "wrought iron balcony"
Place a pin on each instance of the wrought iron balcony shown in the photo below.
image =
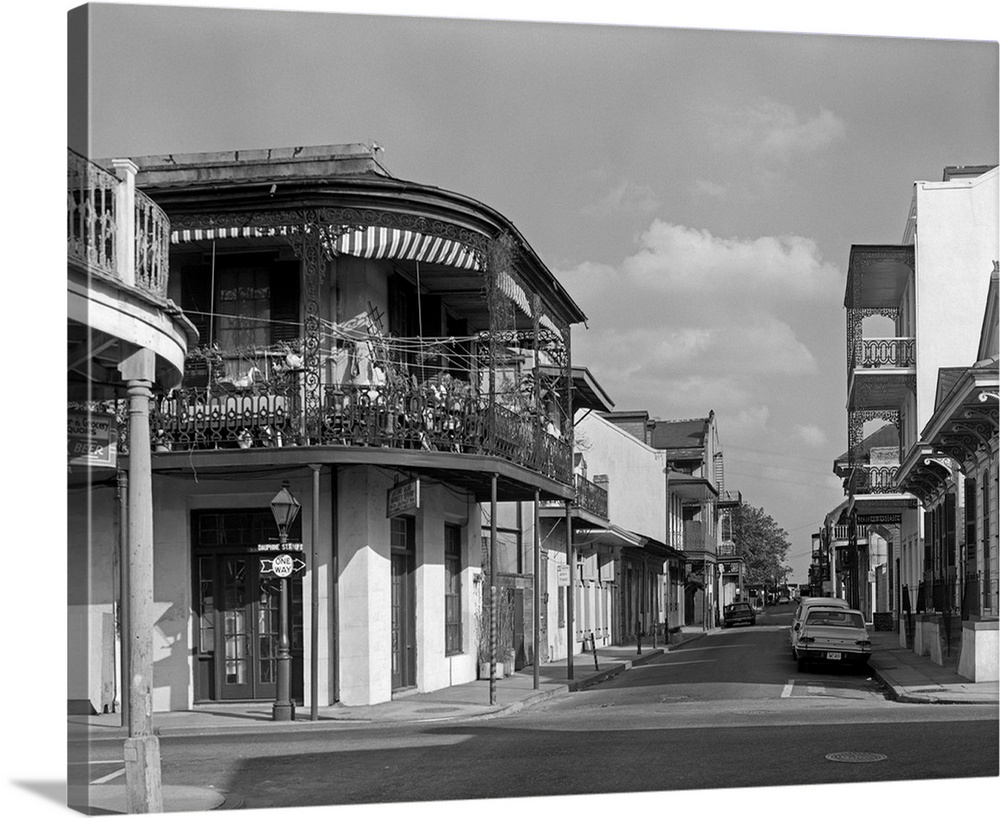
(874, 480)
(883, 353)
(591, 497)
(728, 549)
(269, 413)
(696, 537)
(98, 222)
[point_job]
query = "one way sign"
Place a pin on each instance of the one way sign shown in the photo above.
(282, 566)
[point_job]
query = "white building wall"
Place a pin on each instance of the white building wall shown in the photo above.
(93, 671)
(956, 244)
(636, 479)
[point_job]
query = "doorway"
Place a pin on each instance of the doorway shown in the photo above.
(403, 602)
(236, 651)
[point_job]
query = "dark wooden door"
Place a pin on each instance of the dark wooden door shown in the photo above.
(248, 637)
(403, 622)
(237, 610)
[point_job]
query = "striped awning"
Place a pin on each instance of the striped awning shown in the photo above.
(393, 243)
(362, 242)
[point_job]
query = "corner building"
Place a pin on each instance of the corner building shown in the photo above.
(398, 354)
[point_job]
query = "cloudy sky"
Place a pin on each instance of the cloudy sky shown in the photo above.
(696, 191)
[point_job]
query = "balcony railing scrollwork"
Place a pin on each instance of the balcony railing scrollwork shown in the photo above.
(95, 222)
(268, 413)
(877, 353)
(874, 480)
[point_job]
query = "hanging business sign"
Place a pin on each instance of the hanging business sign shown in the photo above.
(403, 498)
(562, 575)
(93, 439)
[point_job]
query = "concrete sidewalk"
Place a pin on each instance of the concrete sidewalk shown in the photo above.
(918, 680)
(909, 678)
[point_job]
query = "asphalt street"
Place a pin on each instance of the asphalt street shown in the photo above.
(730, 710)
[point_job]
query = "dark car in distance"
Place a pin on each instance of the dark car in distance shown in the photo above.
(738, 613)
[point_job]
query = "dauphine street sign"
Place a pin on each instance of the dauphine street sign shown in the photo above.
(286, 560)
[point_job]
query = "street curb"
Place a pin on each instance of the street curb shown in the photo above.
(898, 694)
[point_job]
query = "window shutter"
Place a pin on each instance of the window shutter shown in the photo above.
(285, 294)
(196, 297)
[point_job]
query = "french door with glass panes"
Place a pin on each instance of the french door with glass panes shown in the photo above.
(238, 615)
(403, 603)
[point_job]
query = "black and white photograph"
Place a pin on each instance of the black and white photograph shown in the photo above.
(511, 409)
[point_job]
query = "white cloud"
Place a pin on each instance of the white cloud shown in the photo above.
(692, 322)
(705, 187)
(775, 131)
(673, 257)
(810, 435)
(627, 197)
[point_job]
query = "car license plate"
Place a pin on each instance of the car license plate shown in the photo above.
(832, 655)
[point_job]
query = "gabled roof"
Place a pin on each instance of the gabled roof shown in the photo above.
(988, 334)
(887, 435)
(948, 376)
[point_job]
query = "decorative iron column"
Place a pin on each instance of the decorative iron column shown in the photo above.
(569, 590)
(537, 567)
(494, 618)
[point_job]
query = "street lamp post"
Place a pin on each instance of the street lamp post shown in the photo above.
(285, 509)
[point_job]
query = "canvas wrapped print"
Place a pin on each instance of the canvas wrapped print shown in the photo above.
(442, 392)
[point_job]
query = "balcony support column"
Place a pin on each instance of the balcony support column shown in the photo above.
(126, 170)
(494, 619)
(142, 748)
(569, 590)
(537, 567)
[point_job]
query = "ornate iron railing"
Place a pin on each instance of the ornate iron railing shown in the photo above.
(874, 480)
(591, 497)
(728, 549)
(152, 245)
(91, 221)
(268, 413)
(94, 223)
(875, 353)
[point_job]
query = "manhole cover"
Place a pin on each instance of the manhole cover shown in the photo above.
(856, 758)
(438, 709)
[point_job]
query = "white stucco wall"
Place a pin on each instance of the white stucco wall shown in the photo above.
(93, 672)
(956, 245)
(636, 480)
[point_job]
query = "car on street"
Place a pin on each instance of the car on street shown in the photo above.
(783, 599)
(803, 608)
(738, 613)
(832, 634)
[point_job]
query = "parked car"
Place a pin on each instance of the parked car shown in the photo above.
(832, 634)
(783, 600)
(804, 605)
(738, 613)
